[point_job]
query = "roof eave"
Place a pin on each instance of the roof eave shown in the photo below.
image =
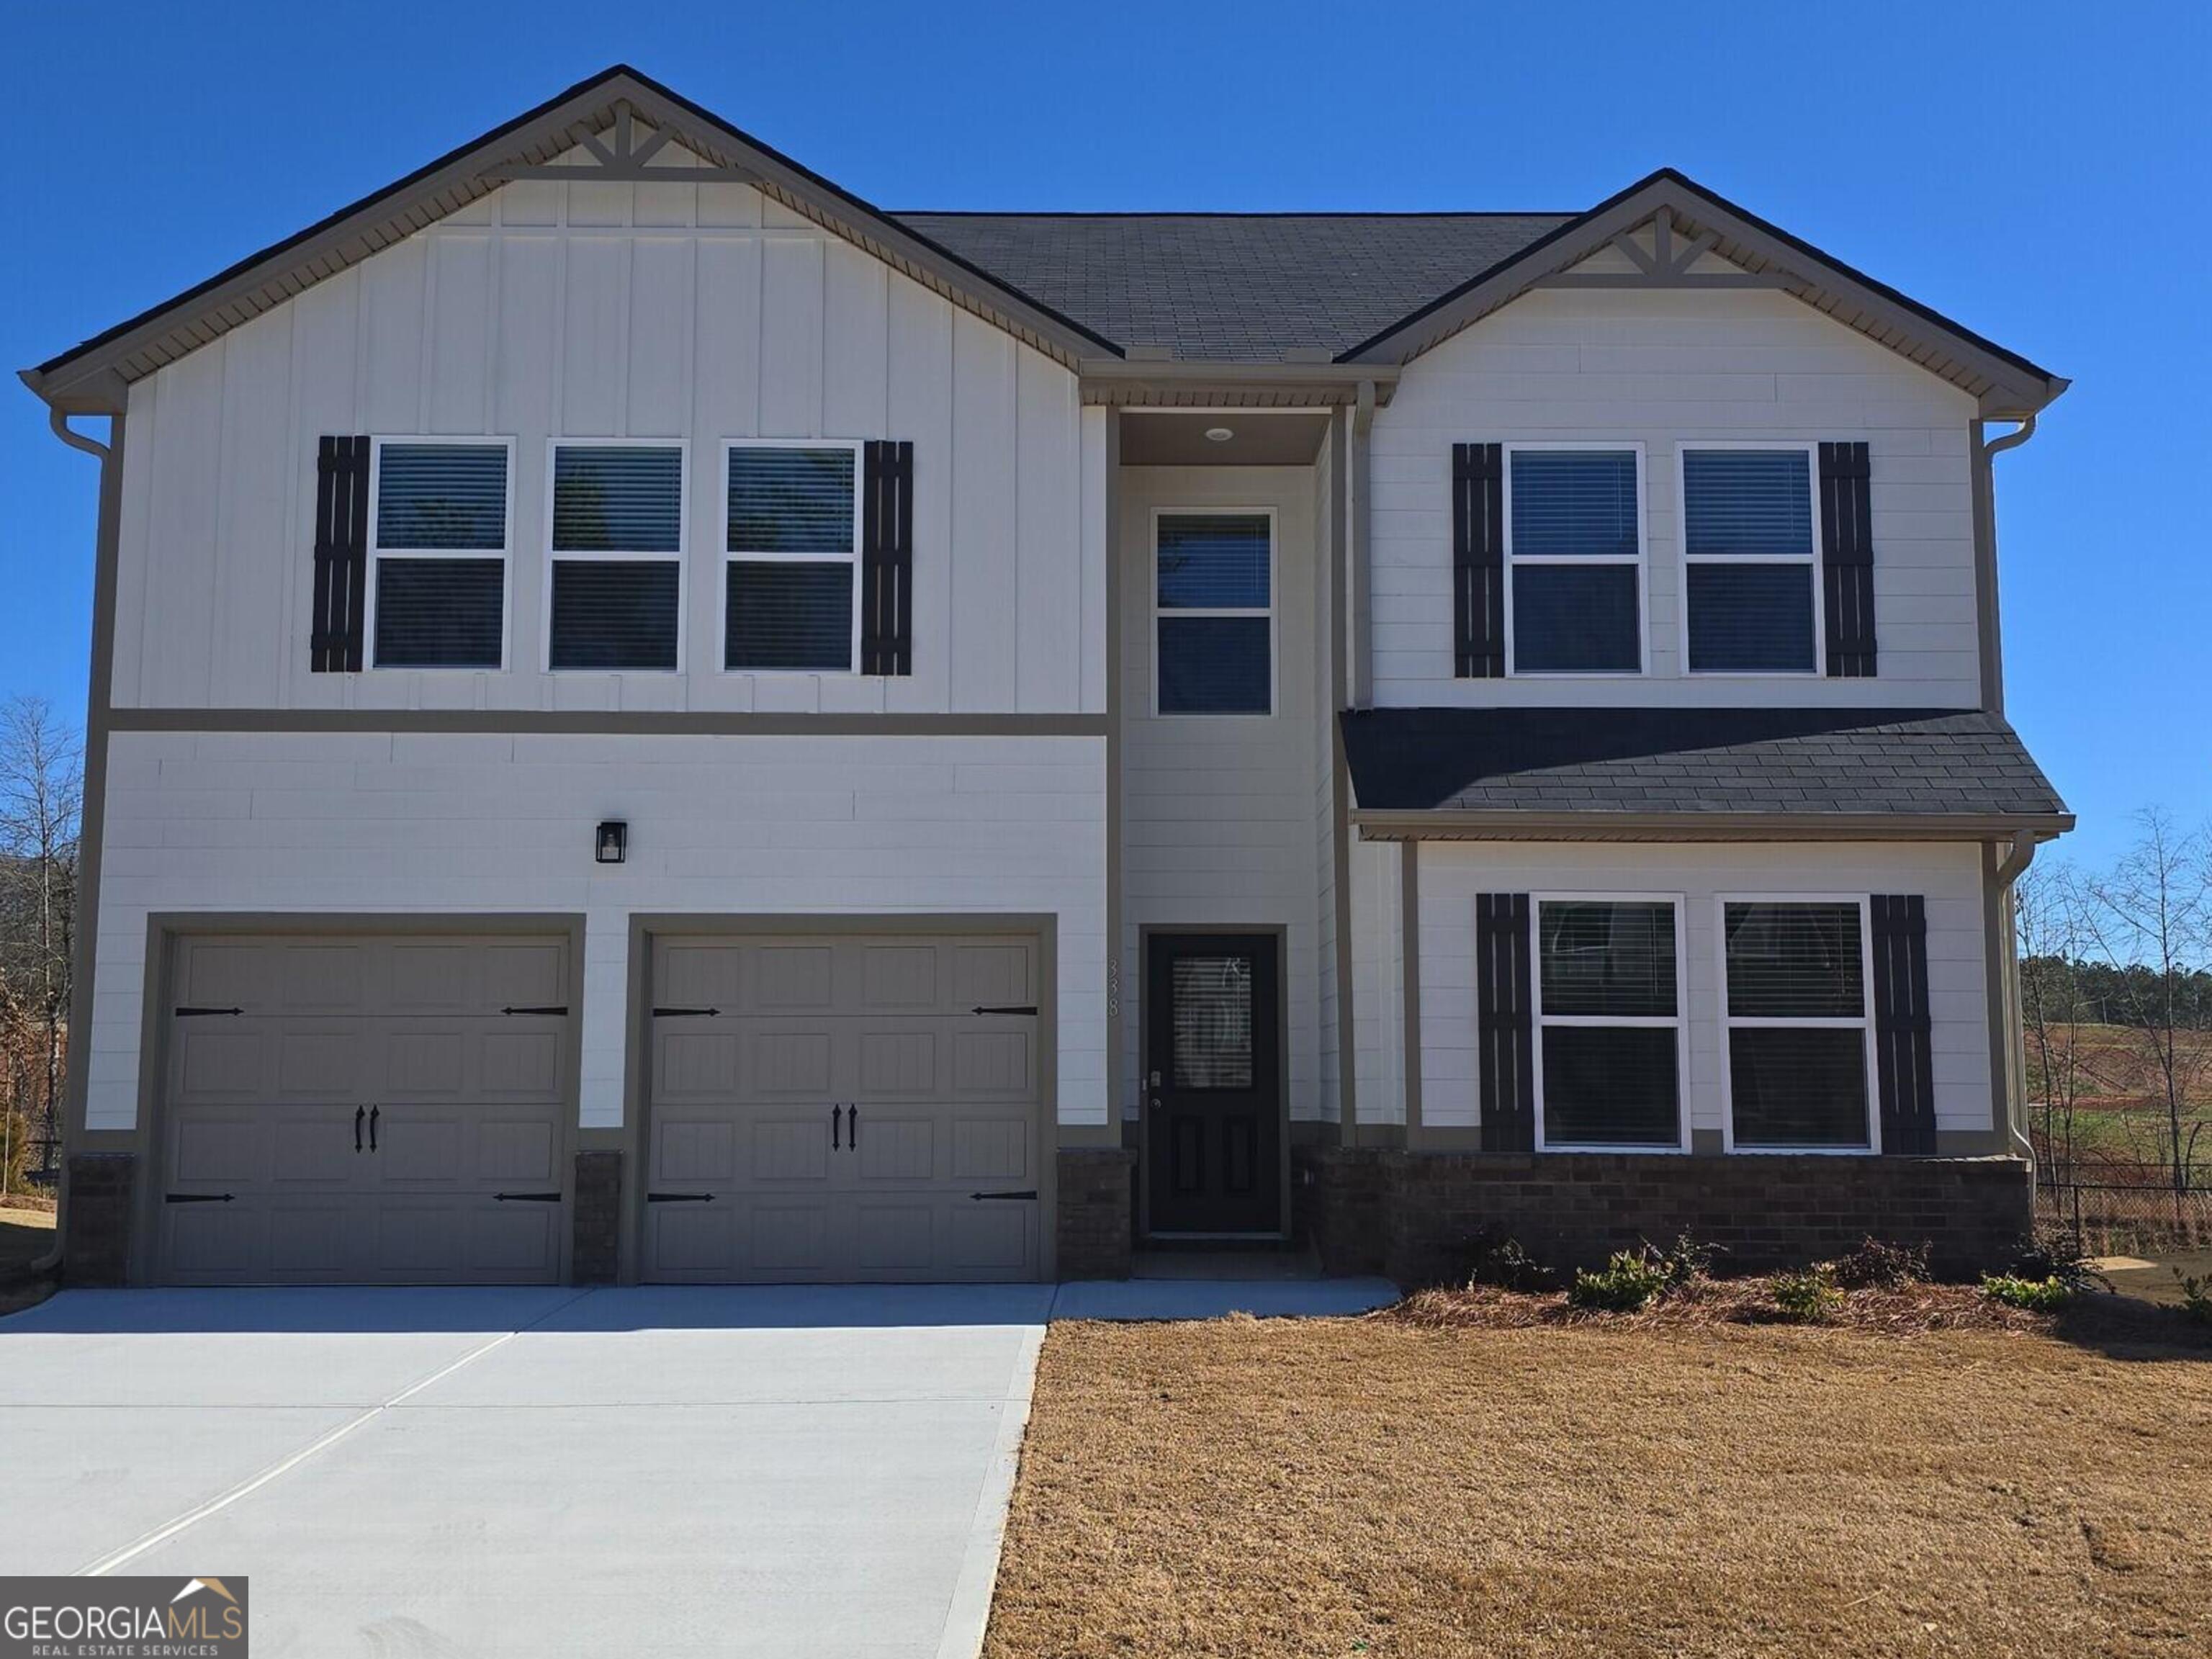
(1447, 823)
(87, 379)
(2010, 387)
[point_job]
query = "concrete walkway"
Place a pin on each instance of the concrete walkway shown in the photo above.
(673, 1470)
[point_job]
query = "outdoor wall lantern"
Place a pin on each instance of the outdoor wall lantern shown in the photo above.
(612, 845)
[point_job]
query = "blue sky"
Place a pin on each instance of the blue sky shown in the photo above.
(2037, 171)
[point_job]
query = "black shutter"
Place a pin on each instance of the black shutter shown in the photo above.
(1504, 1023)
(1478, 561)
(1847, 559)
(887, 560)
(1901, 1024)
(334, 641)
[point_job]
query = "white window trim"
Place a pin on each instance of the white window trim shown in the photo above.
(681, 556)
(1729, 1023)
(1156, 611)
(1539, 1019)
(726, 557)
(1641, 562)
(377, 553)
(1812, 560)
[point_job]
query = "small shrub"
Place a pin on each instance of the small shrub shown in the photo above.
(1809, 1298)
(2195, 1296)
(1497, 1259)
(1877, 1265)
(1685, 1265)
(2057, 1252)
(1627, 1284)
(2045, 1295)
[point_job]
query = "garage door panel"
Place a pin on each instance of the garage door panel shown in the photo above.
(389, 1039)
(946, 1103)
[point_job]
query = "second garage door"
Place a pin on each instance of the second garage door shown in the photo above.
(845, 1108)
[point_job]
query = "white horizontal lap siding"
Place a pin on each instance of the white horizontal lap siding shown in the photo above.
(1662, 369)
(1949, 876)
(420, 824)
(547, 310)
(1219, 826)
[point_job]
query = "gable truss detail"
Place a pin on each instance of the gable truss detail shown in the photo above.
(1664, 265)
(628, 161)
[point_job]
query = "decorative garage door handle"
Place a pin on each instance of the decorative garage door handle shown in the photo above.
(852, 1128)
(374, 1113)
(561, 1009)
(528, 1198)
(679, 1198)
(359, 1114)
(202, 1013)
(685, 1013)
(979, 1197)
(836, 1127)
(1010, 1008)
(196, 1197)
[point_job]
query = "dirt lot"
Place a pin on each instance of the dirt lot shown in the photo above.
(1344, 1486)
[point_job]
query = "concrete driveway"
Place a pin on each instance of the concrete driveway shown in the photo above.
(650, 1472)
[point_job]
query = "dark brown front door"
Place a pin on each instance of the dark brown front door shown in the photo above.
(1213, 1097)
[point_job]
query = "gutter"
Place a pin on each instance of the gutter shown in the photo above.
(1987, 614)
(2005, 955)
(1382, 824)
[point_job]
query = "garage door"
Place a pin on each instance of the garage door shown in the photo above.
(844, 1108)
(342, 1110)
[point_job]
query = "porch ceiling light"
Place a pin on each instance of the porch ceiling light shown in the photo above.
(1218, 435)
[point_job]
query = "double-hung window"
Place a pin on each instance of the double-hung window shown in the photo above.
(1799, 1037)
(439, 529)
(1213, 625)
(1751, 589)
(617, 553)
(1574, 560)
(790, 599)
(1608, 1024)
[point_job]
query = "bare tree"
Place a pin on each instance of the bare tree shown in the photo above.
(41, 797)
(2155, 908)
(2054, 1008)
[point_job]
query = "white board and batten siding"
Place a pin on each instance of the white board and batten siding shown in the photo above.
(1218, 820)
(1659, 369)
(593, 310)
(1949, 876)
(420, 824)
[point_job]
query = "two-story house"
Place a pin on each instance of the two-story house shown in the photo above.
(651, 720)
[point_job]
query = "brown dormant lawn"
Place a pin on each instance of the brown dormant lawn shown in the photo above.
(1255, 1488)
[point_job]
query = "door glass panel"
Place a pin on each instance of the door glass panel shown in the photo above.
(1212, 1022)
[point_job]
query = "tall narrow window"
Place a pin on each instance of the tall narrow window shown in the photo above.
(1214, 621)
(439, 538)
(618, 546)
(1575, 561)
(1797, 1025)
(1608, 1018)
(793, 541)
(1748, 542)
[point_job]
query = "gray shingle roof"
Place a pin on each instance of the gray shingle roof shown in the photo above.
(1242, 287)
(1696, 761)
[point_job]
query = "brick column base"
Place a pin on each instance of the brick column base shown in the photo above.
(96, 1218)
(1338, 1201)
(1093, 1224)
(595, 1255)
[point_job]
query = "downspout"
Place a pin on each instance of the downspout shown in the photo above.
(80, 1034)
(1985, 554)
(2004, 953)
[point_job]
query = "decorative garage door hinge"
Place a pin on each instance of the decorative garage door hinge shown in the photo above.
(679, 1198)
(197, 1197)
(1007, 1008)
(561, 1009)
(528, 1198)
(198, 1013)
(685, 1013)
(979, 1197)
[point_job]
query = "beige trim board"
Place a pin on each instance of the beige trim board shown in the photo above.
(1376, 825)
(543, 721)
(1409, 948)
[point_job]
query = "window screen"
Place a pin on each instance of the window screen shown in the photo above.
(1797, 1023)
(791, 587)
(1576, 547)
(614, 606)
(1747, 535)
(440, 499)
(1610, 1012)
(1215, 631)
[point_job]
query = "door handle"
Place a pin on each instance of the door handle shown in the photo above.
(359, 1113)
(853, 1129)
(374, 1112)
(836, 1122)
